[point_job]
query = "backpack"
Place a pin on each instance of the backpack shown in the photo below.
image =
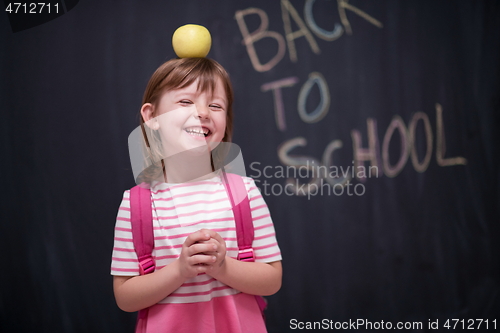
(142, 226)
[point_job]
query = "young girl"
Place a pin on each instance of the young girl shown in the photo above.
(198, 285)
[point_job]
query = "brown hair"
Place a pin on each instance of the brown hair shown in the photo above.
(177, 74)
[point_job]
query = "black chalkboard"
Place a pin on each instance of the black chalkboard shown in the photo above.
(371, 128)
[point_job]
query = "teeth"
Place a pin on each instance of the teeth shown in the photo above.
(198, 131)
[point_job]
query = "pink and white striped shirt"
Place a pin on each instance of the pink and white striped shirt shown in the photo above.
(181, 209)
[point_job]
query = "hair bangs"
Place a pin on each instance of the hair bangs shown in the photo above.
(206, 74)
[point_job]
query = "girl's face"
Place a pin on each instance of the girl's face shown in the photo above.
(190, 120)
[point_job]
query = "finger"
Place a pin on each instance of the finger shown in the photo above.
(220, 240)
(199, 248)
(202, 268)
(198, 269)
(213, 241)
(201, 259)
(208, 231)
(217, 237)
(210, 241)
(198, 236)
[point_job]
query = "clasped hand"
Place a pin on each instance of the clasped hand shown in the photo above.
(203, 251)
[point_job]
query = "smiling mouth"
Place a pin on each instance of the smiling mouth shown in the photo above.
(201, 132)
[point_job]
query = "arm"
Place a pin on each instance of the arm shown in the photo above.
(256, 278)
(133, 293)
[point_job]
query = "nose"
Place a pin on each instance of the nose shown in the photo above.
(202, 112)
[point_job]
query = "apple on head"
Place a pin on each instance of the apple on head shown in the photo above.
(191, 41)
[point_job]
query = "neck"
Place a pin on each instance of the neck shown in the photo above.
(188, 167)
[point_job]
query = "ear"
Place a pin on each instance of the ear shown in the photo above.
(147, 113)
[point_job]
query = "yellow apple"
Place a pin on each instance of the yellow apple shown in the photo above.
(191, 41)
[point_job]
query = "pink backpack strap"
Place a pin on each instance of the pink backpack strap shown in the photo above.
(141, 217)
(237, 193)
(142, 227)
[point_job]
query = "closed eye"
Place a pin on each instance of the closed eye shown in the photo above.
(215, 106)
(185, 102)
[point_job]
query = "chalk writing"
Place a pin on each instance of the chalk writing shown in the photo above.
(320, 32)
(396, 123)
(441, 143)
(343, 5)
(420, 167)
(279, 107)
(250, 38)
(378, 156)
(324, 103)
(289, 12)
(372, 153)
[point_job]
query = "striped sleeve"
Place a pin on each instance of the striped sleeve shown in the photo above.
(124, 259)
(265, 245)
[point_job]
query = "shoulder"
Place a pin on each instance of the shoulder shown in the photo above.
(248, 181)
(251, 187)
(125, 199)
